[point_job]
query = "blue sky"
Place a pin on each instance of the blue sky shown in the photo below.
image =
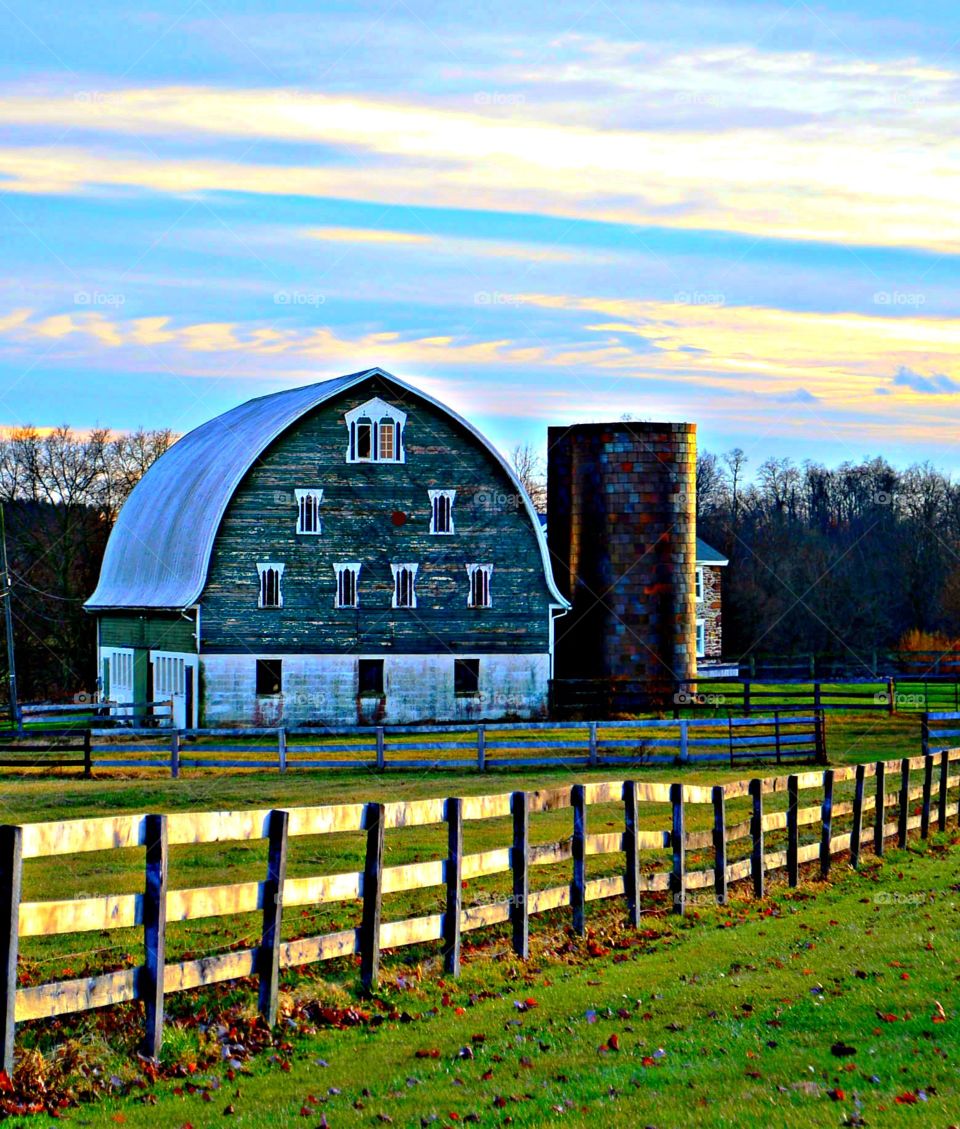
(739, 214)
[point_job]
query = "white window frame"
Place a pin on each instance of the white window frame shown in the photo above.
(316, 497)
(701, 638)
(396, 569)
(339, 570)
(698, 583)
(376, 412)
(487, 571)
(435, 496)
(262, 569)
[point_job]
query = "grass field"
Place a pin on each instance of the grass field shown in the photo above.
(690, 965)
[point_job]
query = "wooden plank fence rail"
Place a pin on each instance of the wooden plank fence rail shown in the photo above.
(635, 862)
(779, 738)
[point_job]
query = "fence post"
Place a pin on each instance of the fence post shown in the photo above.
(826, 822)
(879, 812)
(631, 851)
(891, 696)
(817, 696)
(820, 724)
(87, 755)
(282, 749)
(578, 797)
(942, 797)
(720, 843)
(268, 955)
(11, 882)
(684, 741)
(927, 789)
(175, 754)
(678, 842)
(453, 874)
(904, 803)
(925, 734)
(730, 736)
(756, 836)
(372, 898)
(776, 732)
(856, 831)
(746, 695)
(593, 744)
(519, 862)
(150, 988)
(481, 748)
(793, 831)
(381, 756)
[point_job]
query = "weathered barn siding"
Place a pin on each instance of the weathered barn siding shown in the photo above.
(359, 512)
(420, 687)
(152, 630)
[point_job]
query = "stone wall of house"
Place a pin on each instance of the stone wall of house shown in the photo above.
(710, 611)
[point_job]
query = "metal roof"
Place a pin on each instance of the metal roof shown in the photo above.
(708, 556)
(159, 551)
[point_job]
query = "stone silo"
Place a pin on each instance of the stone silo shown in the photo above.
(621, 526)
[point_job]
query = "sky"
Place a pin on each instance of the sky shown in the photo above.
(740, 214)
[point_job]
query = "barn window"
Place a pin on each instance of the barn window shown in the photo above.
(308, 511)
(478, 595)
(347, 576)
(441, 510)
(370, 676)
(375, 433)
(698, 584)
(466, 676)
(271, 595)
(404, 585)
(269, 677)
(701, 638)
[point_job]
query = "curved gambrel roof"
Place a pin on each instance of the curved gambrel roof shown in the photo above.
(159, 551)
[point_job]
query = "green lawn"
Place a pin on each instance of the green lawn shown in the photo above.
(726, 1018)
(690, 965)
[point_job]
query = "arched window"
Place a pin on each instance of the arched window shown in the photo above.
(478, 594)
(308, 512)
(375, 433)
(404, 585)
(271, 594)
(347, 577)
(441, 510)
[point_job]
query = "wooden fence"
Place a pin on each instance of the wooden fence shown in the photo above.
(733, 740)
(939, 730)
(158, 904)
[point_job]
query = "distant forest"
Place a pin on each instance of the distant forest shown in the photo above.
(835, 561)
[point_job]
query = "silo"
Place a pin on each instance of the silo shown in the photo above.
(621, 526)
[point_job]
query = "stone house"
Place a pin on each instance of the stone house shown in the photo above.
(708, 590)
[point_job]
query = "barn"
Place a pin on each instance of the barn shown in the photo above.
(346, 552)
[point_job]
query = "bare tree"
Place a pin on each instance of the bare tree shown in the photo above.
(528, 465)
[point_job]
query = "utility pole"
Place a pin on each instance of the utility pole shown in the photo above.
(7, 597)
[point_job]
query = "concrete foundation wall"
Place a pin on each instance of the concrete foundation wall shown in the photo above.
(323, 689)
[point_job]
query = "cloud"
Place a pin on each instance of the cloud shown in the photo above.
(937, 384)
(798, 396)
(827, 180)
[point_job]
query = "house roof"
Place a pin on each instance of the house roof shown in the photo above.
(159, 551)
(709, 556)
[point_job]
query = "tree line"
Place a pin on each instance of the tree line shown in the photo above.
(61, 492)
(837, 561)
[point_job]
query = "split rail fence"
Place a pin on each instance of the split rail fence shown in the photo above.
(733, 740)
(634, 865)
